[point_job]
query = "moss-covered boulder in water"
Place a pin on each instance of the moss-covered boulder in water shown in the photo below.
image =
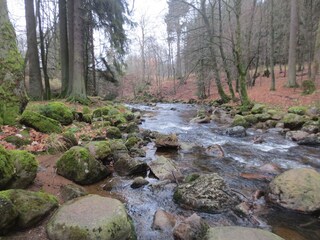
(6, 168)
(57, 111)
(293, 121)
(30, 206)
(26, 167)
(91, 217)
(297, 189)
(240, 121)
(300, 110)
(40, 122)
(78, 165)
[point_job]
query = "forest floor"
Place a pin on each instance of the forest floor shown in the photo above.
(283, 97)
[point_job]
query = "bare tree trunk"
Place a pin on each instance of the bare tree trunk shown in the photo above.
(43, 54)
(64, 54)
(273, 80)
(293, 45)
(179, 66)
(70, 21)
(78, 90)
(316, 57)
(223, 56)
(35, 81)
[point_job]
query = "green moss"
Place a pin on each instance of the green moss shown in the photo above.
(262, 117)
(6, 168)
(129, 116)
(192, 177)
(86, 110)
(100, 149)
(240, 121)
(17, 141)
(308, 87)
(300, 110)
(69, 137)
(251, 119)
(258, 108)
(57, 111)
(293, 121)
(87, 118)
(113, 133)
(26, 160)
(40, 122)
(131, 142)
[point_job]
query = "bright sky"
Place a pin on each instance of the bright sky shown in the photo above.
(153, 10)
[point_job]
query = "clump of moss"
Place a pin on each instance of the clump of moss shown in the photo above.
(99, 149)
(300, 110)
(240, 121)
(40, 122)
(258, 108)
(308, 87)
(131, 142)
(113, 133)
(57, 111)
(17, 141)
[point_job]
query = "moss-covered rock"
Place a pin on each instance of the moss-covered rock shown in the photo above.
(7, 168)
(251, 119)
(57, 111)
(102, 218)
(100, 150)
(61, 142)
(207, 193)
(71, 191)
(300, 110)
(293, 121)
(8, 213)
(17, 141)
(262, 117)
(32, 207)
(26, 167)
(40, 122)
(77, 164)
(87, 118)
(258, 108)
(297, 189)
(131, 142)
(239, 120)
(113, 133)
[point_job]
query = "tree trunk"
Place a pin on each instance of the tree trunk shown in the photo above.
(13, 98)
(70, 21)
(78, 90)
(35, 81)
(273, 80)
(179, 66)
(43, 54)
(316, 57)
(293, 45)
(64, 54)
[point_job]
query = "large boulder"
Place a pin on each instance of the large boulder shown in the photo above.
(91, 217)
(6, 168)
(78, 165)
(239, 120)
(293, 121)
(164, 168)
(57, 111)
(26, 167)
(170, 141)
(310, 140)
(296, 189)
(206, 193)
(300, 110)
(27, 208)
(258, 108)
(40, 123)
(100, 150)
(18, 168)
(231, 233)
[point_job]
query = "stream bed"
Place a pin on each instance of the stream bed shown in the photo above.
(241, 155)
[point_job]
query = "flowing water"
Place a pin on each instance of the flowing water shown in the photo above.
(240, 156)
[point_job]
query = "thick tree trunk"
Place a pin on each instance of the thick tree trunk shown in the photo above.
(293, 45)
(70, 15)
(43, 53)
(316, 57)
(64, 54)
(273, 79)
(78, 90)
(13, 98)
(35, 81)
(179, 65)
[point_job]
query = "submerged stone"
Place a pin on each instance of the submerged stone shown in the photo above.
(207, 193)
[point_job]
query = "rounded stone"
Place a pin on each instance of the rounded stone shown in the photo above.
(91, 217)
(297, 189)
(231, 233)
